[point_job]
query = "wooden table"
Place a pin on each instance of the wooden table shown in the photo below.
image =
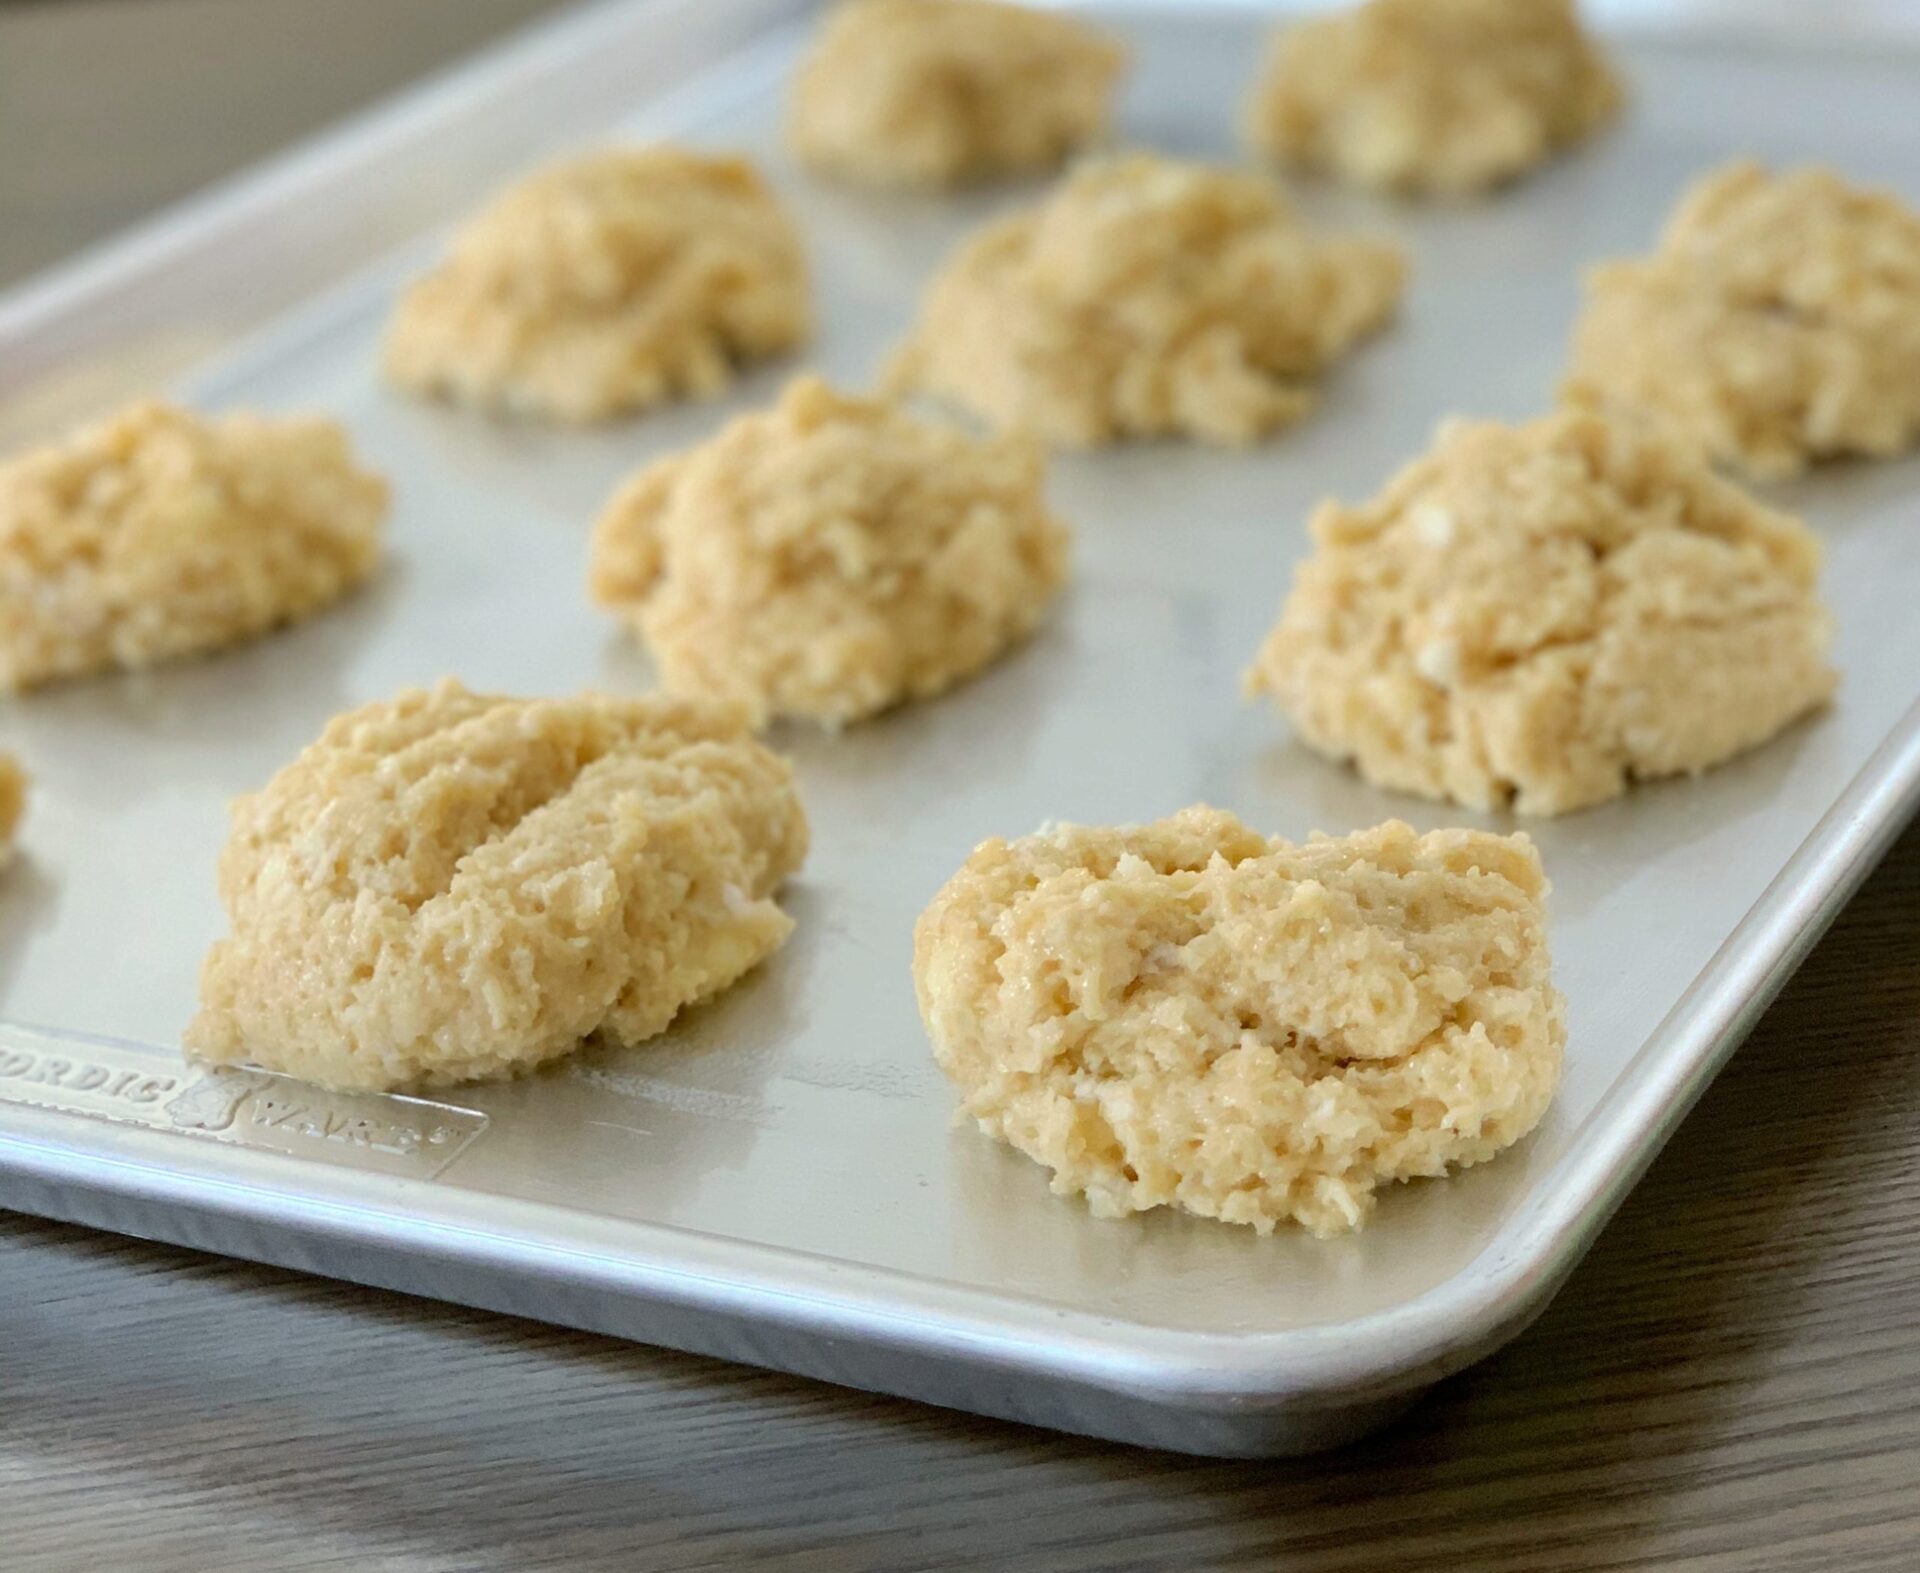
(1732, 1380)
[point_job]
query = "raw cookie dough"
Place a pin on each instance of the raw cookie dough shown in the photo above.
(830, 557)
(449, 885)
(1189, 1014)
(1543, 614)
(933, 93)
(1434, 96)
(13, 804)
(1777, 324)
(1146, 298)
(609, 283)
(164, 533)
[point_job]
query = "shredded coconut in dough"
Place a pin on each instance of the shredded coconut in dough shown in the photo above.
(162, 534)
(13, 804)
(1544, 613)
(1439, 96)
(610, 283)
(449, 886)
(831, 557)
(1146, 298)
(1777, 324)
(1189, 1014)
(933, 93)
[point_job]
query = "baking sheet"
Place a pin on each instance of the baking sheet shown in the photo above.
(785, 1152)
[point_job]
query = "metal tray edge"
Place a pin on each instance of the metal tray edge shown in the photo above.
(1429, 1338)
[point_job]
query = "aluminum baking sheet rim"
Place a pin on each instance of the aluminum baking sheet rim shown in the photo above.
(1394, 1351)
(1397, 1350)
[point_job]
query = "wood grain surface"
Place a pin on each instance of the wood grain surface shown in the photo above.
(1731, 1382)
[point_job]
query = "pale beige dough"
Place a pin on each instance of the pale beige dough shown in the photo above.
(449, 885)
(831, 557)
(13, 804)
(609, 283)
(1148, 297)
(1431, 96)
(162, 533)
(1777, 323)
(1542, 614)
(934, 93)
(1190, 1014)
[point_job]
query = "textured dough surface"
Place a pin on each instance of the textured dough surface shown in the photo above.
(13, 804)
(162, 533)
(449, 885)
(610, 283)
(1777, 323)
(1148, 297)
(935, 93)
(1190, 1014)
(1544, 613)
(1438, 96)
(830, 557)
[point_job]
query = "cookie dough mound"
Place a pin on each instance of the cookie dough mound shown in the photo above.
(1541, 614)
(933, 93)
(13, 804)
(1148, 298)
(162, 534)
(830, 558)
(1189, 1014)
(610, 283)
(1431, 96)
(449, 886)
(1778, 322)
